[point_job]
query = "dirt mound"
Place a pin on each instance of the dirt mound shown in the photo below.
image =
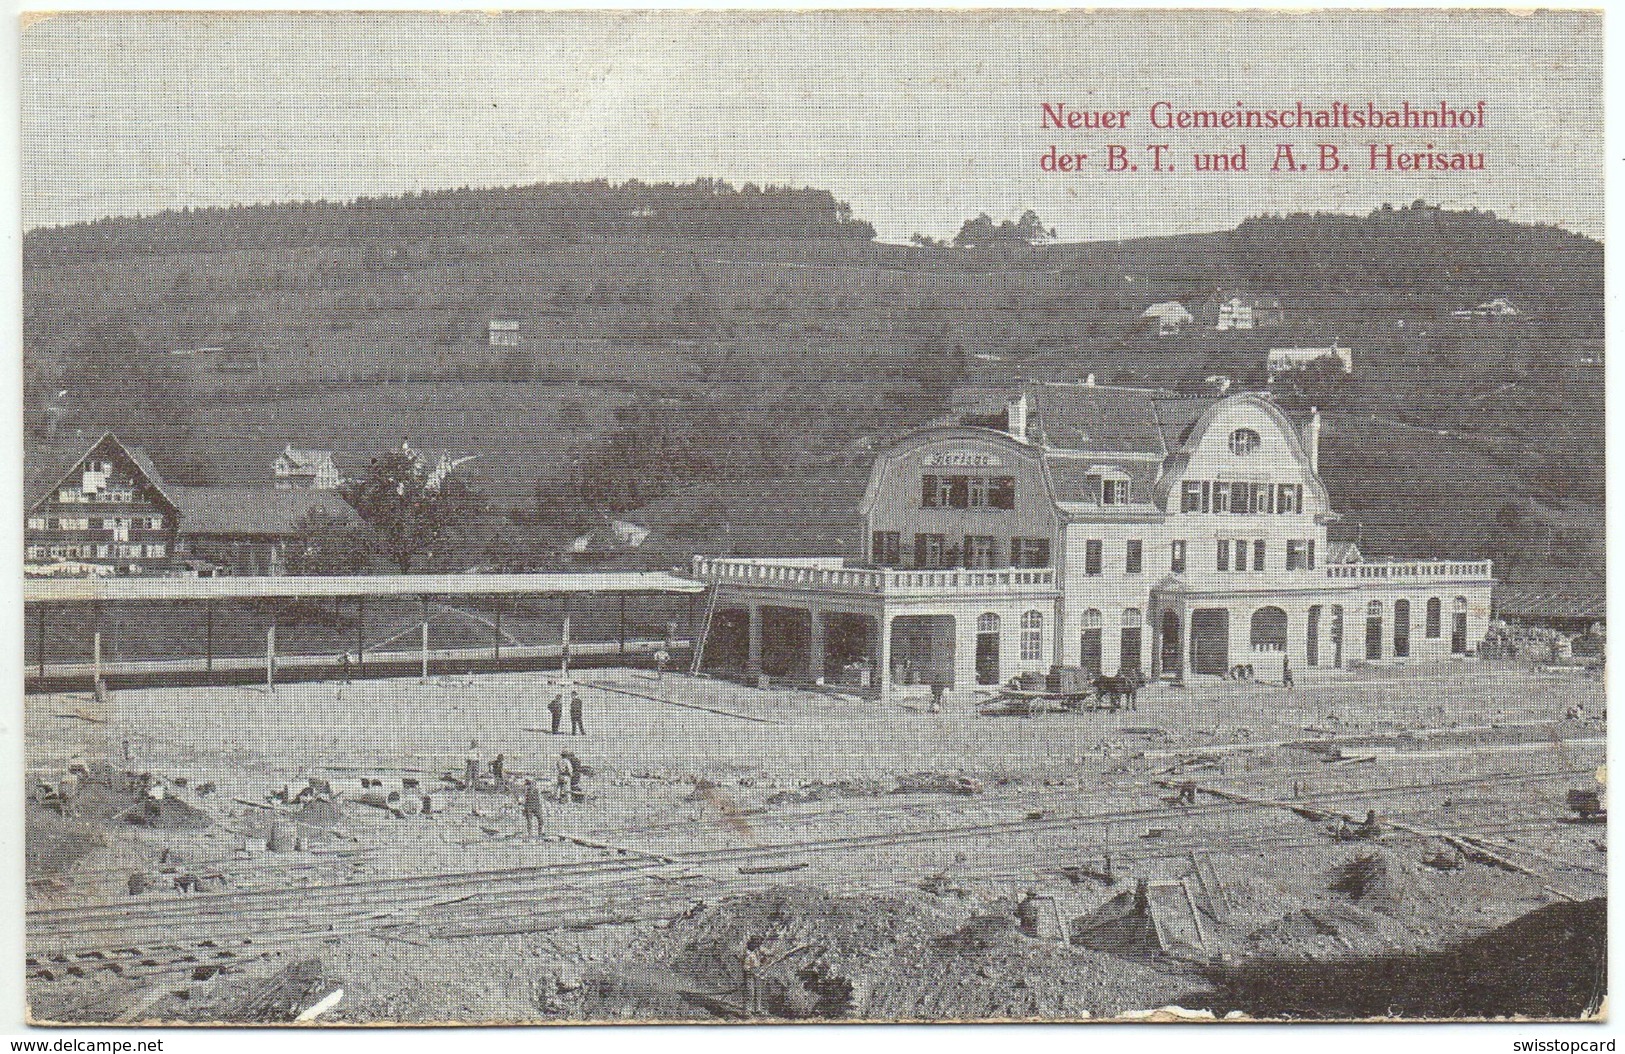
(906, 956)
(937, 783)
(1551, 963)
(821, 790)
(168, 813)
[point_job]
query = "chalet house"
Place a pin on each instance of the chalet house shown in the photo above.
(108, 509)
(1171, 316)
(249, 530)
(1280, 360)
(111, 511)
(296, 469)
(1102, 527)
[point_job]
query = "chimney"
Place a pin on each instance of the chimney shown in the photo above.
(1311, 439)
(1015, 414)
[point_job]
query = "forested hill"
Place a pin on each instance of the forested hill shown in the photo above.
(672, 337)
(1423, 249)
(539, 214)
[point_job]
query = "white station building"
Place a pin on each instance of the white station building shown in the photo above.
(1103, 527)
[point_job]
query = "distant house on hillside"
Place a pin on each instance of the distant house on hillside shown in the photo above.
(248, 530)
(108, 509)
(1500, 309)
(296, 469)
(1171, 316)
(503, 333)
(435, 464)
(1234, 314)
(1241, 313)
(1281, 360)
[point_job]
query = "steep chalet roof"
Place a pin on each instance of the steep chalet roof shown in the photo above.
(311, 460)
(254, 511)
(54, 471)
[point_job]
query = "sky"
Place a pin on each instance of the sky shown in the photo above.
(917, 119)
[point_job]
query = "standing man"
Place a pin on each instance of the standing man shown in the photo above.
(662, 657)
(566, 769)
(750, 964)
(471, 764)
(344, 668)
(556, 709)
(1286, 672)
(576, 727)
(497, 765)
(533, 807)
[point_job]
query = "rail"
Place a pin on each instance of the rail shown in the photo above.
(877, 580)
(1413, 569)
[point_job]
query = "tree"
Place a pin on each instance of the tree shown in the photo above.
(411, 513)
(328, 544)
(981, 232)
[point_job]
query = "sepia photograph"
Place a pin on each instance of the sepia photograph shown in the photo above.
(747, 517)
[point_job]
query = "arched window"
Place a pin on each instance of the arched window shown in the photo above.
(1269, 629)
(1131, 617)
(1091, 618)
(1374, 609)
(1434, 617)
(1402, 628)
(1032, 636)
(988, 623)
(1244, 441)
(1461, 605)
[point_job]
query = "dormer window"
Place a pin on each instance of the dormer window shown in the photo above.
(1110, 483)
(1244, 441)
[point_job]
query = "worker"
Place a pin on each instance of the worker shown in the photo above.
(533, 807)
(577, 770)
(1286, 672)
(662, 657)
(471, 764)
(576, 727)
(556, 709)
(67, 792)
(497, 764)
(750, 965)
(344, 668)
(566, 770)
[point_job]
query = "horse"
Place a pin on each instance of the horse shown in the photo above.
(1121, 689)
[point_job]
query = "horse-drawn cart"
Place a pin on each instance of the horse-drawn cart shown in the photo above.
(1064, 690)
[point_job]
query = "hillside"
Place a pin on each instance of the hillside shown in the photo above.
(703, 336)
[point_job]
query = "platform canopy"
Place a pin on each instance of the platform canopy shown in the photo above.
(246, 587)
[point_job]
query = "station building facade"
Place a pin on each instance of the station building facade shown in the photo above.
(1102, 527)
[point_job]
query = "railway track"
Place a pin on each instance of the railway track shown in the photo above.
(206, 929)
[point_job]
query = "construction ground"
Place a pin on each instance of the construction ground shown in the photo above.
(1383, 842)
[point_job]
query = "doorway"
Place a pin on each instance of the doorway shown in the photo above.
(1168, 652)
(987, 649)
(1210, 641)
